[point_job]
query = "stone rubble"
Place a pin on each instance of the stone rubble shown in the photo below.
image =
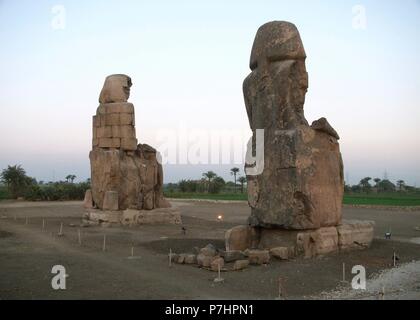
(258, 257)
(240, 265)
(281, 253)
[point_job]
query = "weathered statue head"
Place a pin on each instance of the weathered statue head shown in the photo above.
(276, 41)
(275, 90)
(116, 89)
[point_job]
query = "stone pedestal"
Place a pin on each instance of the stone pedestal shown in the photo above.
(350, 235)
(131, 217)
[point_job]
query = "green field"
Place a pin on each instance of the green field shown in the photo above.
(388, 199)
(391, 199)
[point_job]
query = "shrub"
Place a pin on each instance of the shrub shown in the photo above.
(58, 191)
(217, 185)
(4, 193)
(188, 185)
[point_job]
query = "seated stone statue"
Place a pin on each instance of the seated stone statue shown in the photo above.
(301, 185)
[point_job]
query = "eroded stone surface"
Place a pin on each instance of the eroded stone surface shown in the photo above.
(355, 234)
(208, 250)
(110, 201)
(124, 174)
(318, 242)
(190, 259)
(104, 218)
(258, 256)
(231, 256)
(281, 253)
(88, 201)
(204, 261)
(156, 216)
(288, 244)
(273, 238)
(323, 126)
(136, 177)
(116, 89)
(301, 186)
(240, 238)
(240, 265)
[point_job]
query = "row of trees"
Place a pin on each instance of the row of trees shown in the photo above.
(240, 179)
(210, 183)
(19, 185)
(376, 185)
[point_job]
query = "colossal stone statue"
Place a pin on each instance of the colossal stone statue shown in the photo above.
(124, 175)
(295, 175)
(301, 185)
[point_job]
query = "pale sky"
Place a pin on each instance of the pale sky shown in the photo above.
(187, 60)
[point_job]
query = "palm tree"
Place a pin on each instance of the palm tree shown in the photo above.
(377, 180)
(234, 172)
(70, 178)
(15, 179)
(242, 181)
(209, 175)
(364, 183)
(400, 184)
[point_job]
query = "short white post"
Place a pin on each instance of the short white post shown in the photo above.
(394, 258)
(170, 257)
(280, 289)
(79, 236)
(60, 233)
(344, 272)
(132, 251)
(219, 278)
(104, 244)
(43, 224)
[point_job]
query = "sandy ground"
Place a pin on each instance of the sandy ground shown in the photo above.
(27, 254)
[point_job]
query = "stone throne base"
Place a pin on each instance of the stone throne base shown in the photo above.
(132, 217)
(350, 235)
